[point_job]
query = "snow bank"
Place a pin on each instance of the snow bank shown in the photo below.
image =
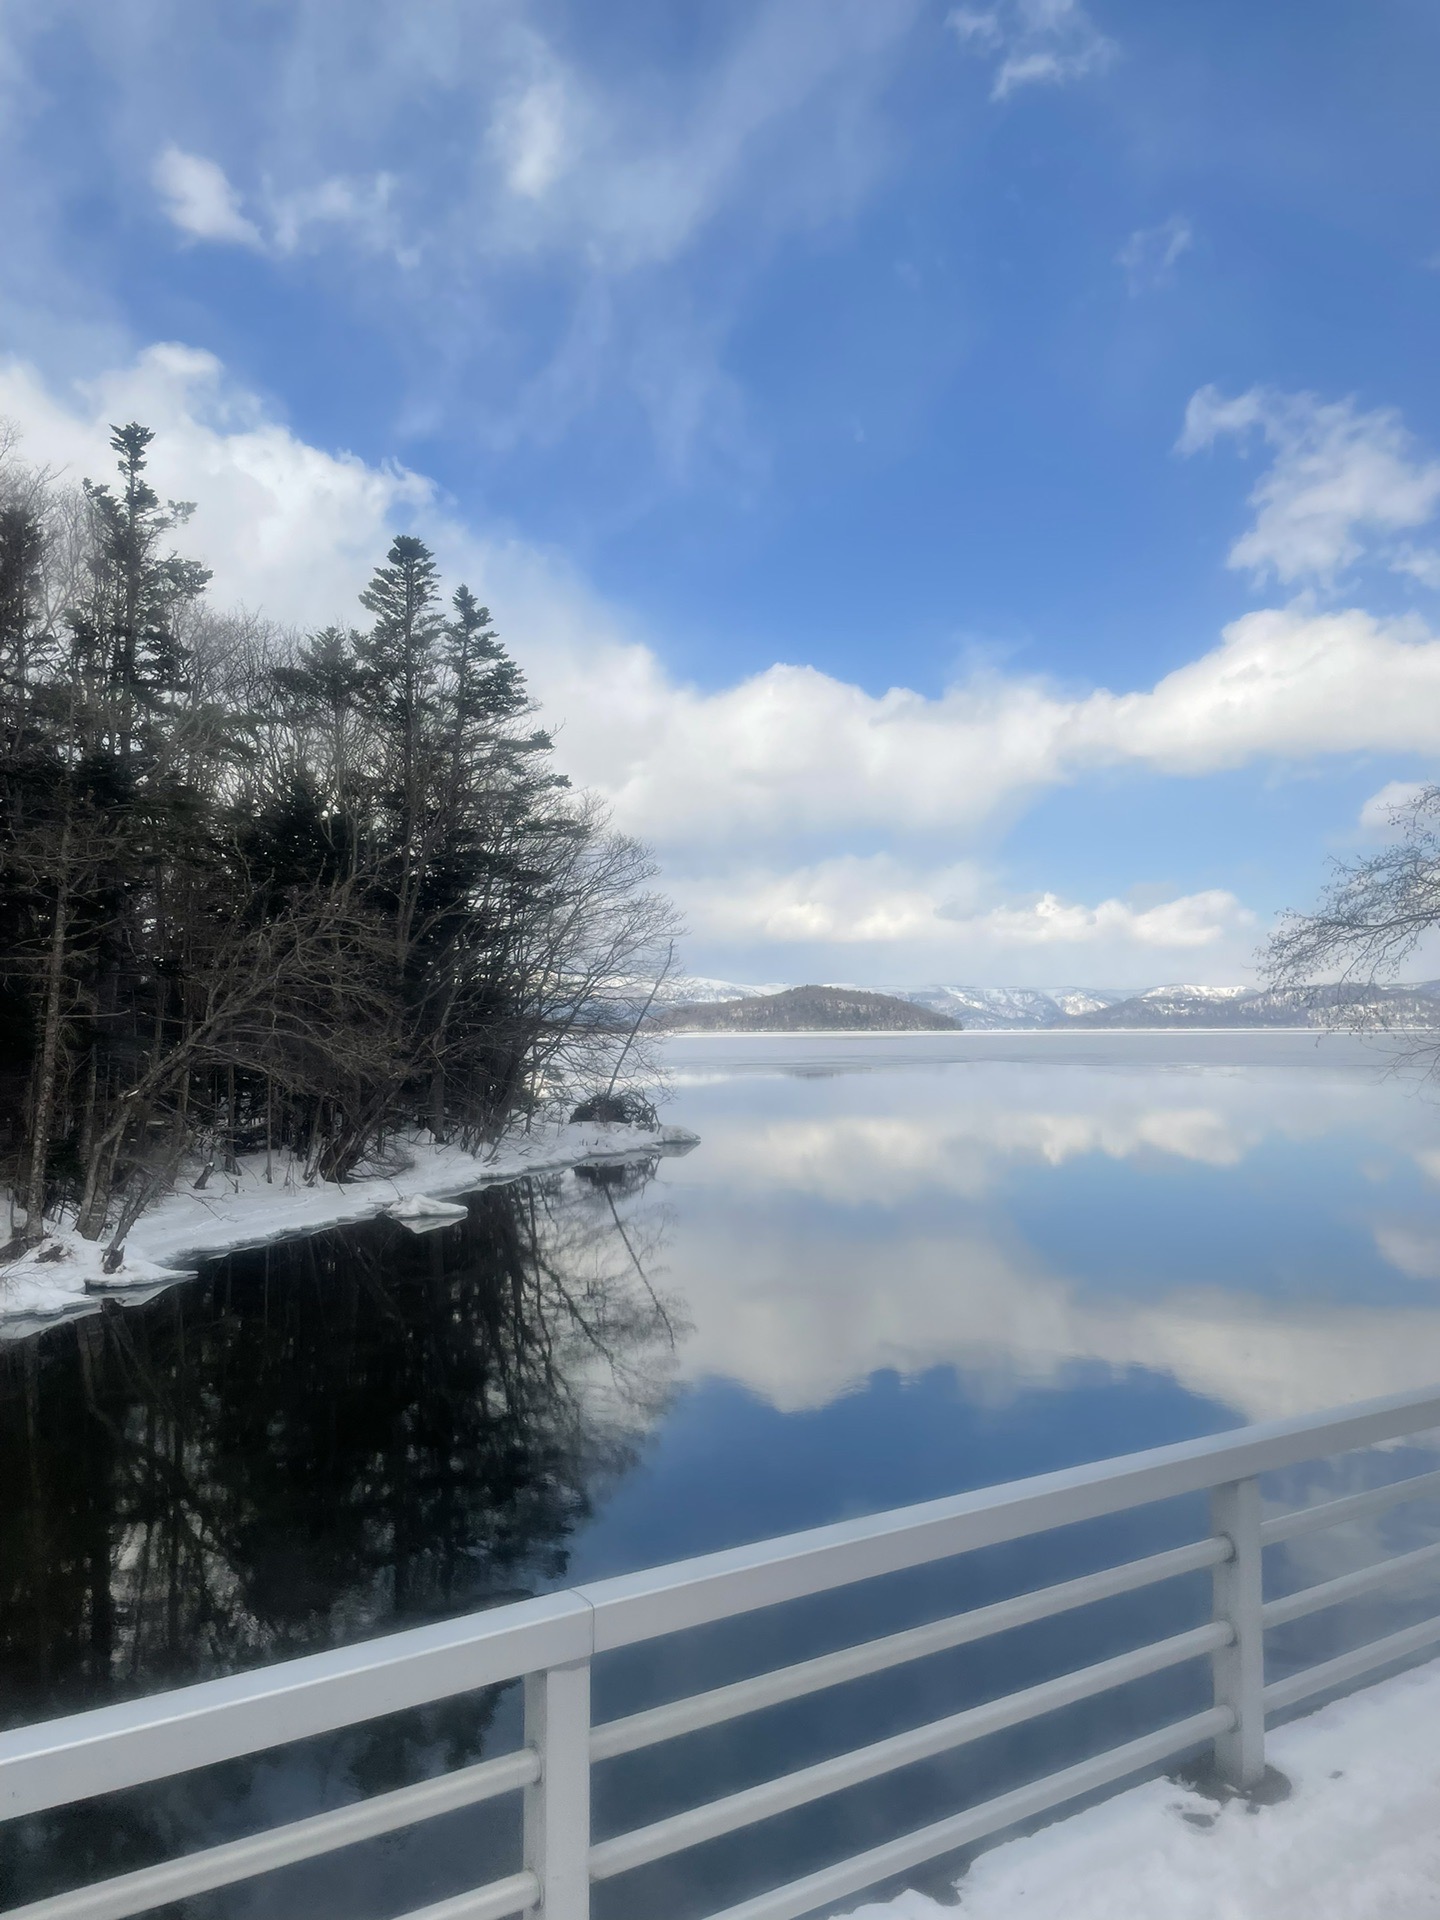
(1359, 1838)
(242, 1209)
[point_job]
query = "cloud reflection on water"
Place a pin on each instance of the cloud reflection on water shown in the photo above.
(893, 1219)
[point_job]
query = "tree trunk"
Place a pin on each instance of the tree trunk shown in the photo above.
(99, 1176)
(49, 1049)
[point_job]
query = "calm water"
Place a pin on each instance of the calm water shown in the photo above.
(895, 1268)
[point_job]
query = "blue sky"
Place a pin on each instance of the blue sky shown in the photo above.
(962, 476)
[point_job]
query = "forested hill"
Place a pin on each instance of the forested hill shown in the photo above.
(274, 891)
(807, 1010)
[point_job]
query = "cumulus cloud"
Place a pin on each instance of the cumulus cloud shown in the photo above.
(1341, 479)
(849, 900)
(1175, 926)
(783, 752)
(854, 900)
(198, 198)
(284, 525)
(792, 751)
(1149, 255)
(1033, 42)
(200, 201)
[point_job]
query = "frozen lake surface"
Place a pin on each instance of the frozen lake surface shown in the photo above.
(896, 1267)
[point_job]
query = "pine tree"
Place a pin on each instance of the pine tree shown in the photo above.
(306, 894)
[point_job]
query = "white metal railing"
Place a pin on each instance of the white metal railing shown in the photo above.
(550, 1643)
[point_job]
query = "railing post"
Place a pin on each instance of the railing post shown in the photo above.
(557, 1806)
(1239, 1669)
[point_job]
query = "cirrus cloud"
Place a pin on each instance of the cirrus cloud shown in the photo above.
(1033, 42)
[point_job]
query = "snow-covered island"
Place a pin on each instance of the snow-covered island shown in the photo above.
(64, 1275)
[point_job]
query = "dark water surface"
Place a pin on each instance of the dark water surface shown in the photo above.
(895, 1268)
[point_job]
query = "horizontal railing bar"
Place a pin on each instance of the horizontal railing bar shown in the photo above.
(498, 1901)
(1334, 1513)
(644, 1844)
(257, 1853)
(676, 1717)
(1349, 1666)
(59, 1761)
(690, 1593)
(1348, 1586)
(864, 1870)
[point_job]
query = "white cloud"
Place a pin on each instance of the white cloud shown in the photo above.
(948, 919)
(478, 147)
(1149, 255)
(200, 201)
(785, 752)
(1180, 925)
(284, 525)
(361, 207)
(1283, 683)
(530, 136)
(1038, 42)
(855, 900)
(1340, 479)
(749, 789)
(1377, 814)
(792, 751)
(1421, 563)
(849, 900)
(198, 197)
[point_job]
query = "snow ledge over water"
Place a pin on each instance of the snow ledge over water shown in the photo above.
(65, 1274)
(1358, 1839)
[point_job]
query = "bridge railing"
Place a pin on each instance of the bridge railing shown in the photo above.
(549, 1644)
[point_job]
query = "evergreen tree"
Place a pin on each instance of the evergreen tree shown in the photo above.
(259, 892)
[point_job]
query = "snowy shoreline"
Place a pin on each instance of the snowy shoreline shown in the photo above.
(1357, 1838)
(64, 1277)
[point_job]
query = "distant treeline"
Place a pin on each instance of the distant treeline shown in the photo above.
(259, 890)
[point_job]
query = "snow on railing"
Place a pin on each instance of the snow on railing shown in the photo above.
(549, 1644)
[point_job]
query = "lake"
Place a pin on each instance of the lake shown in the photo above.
(897, 1266)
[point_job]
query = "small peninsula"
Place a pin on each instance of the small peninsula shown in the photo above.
(806, 1010)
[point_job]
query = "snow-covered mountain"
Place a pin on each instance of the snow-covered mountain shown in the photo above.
(1004, 1009)
(1400, 1007)
(695, 990)
(1183, 1004)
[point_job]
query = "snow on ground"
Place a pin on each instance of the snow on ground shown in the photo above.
(1358, 1839)
(64, 1274)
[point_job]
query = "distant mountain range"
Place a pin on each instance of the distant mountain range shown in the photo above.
(1012, 1009)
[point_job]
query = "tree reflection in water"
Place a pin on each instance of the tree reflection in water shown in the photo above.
(313, 1443)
